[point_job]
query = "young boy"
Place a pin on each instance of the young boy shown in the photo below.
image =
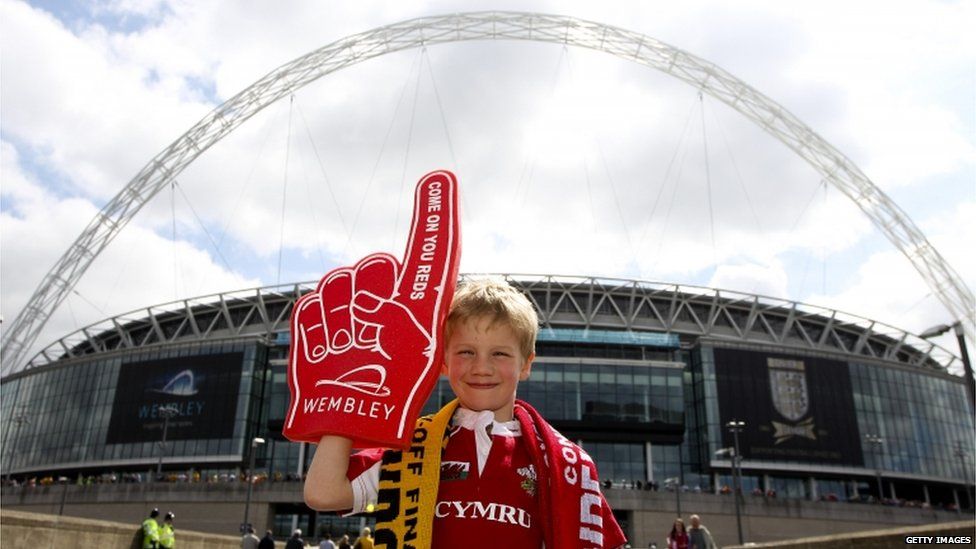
(505, 476)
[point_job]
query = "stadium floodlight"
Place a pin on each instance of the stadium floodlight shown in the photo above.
(935, 331)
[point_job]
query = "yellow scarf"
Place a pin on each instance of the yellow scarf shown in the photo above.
(407, 496)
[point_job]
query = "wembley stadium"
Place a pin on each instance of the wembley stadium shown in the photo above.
(840, 421)
(770, 418)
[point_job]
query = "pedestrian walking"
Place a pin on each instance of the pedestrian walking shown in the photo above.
(698, 536)
(365, 540)
(267, 542)
(295, 541)
(678, 538)
(326, 542)
(250, 539)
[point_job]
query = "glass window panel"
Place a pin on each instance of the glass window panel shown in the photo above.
(571, 374)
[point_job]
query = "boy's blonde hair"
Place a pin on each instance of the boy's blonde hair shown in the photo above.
(503, 304)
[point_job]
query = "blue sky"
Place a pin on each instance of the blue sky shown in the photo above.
(561, 152)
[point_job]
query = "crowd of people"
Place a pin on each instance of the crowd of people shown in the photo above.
(194, 476)
(296, 541)
(137, 478)
(725, 490)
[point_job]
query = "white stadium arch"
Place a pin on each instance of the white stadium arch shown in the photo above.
(497, 25)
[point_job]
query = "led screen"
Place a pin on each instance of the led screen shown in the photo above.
(794, 408)
(201, 390)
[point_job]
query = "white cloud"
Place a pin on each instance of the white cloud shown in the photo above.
(887, 287)
(767, 280)
(901, 70)
(563, 155)
(86, 112)
(36, 228)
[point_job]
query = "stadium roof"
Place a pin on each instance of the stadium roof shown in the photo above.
(563, 301)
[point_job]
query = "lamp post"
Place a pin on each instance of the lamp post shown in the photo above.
(63, 481)
(876, 442)
(20, 419)
(676, 483)
(250, 479)
(166, 412)
(735, 427)
(730, 452)
(962, 455)
(963, 354)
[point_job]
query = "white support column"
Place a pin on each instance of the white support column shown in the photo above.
(649, 458)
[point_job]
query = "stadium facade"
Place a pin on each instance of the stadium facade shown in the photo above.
(647, 376)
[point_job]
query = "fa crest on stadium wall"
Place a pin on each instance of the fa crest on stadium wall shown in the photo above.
(788, 388)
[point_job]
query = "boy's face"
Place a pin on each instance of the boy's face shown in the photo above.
(484, 364)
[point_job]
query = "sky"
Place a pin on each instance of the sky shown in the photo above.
(570, 161)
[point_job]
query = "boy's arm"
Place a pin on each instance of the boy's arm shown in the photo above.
(326, 485)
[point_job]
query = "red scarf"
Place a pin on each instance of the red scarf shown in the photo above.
(574, 512)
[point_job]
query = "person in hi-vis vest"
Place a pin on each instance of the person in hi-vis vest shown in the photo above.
(150, 531)
(167, 538)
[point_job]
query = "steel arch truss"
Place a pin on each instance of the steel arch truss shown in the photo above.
(720, 316)
(709, 78)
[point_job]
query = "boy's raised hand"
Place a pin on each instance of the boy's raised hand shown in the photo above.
(366, 344)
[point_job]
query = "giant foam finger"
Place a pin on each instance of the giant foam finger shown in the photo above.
(372, 391)
(428, 278)
(343, 390)
(430, 263)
